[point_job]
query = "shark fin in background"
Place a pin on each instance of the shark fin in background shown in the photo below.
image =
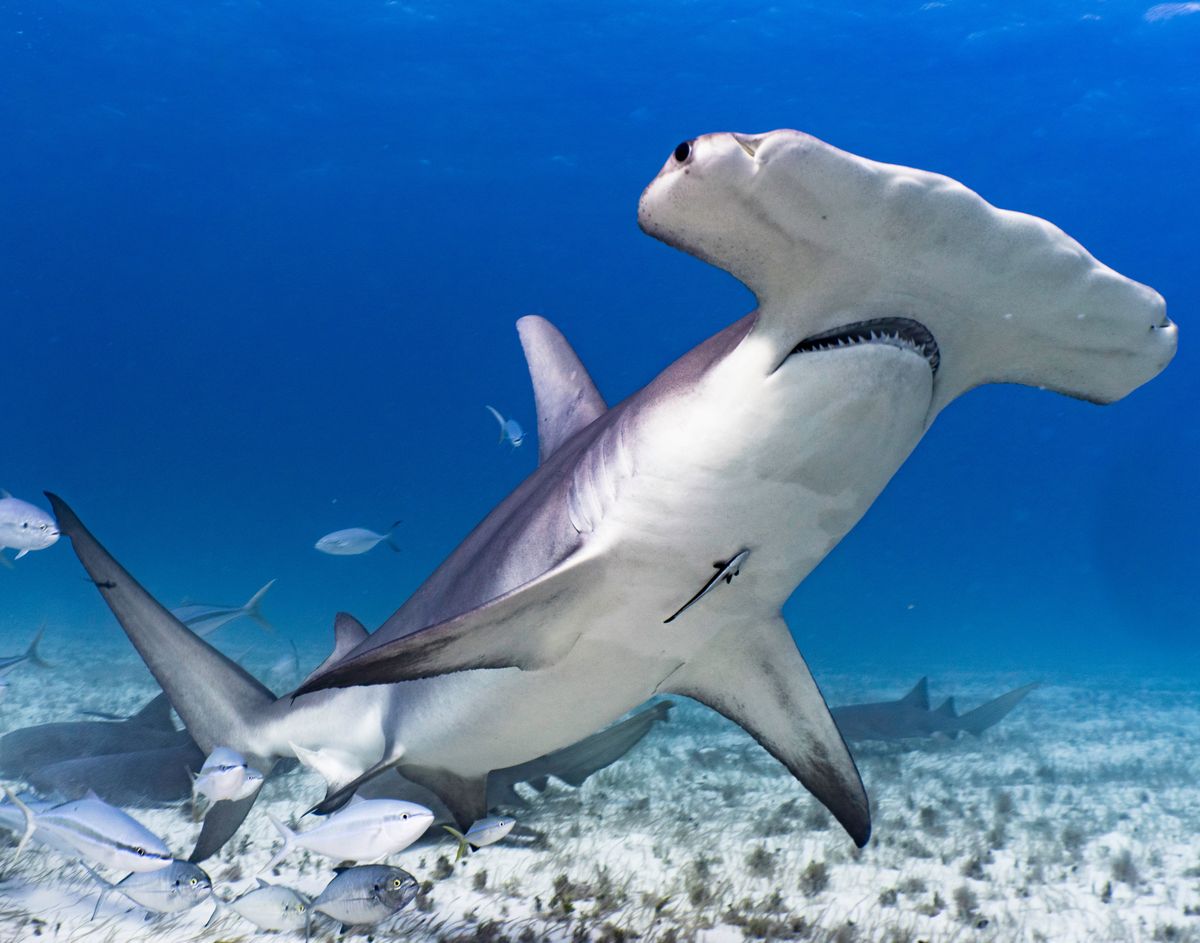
(514, 630)
(566, 397)
(156, 714)
(991, 713)
(918, 696)
(947, 708)
(466, 798)
(753, 674)
(348, 634)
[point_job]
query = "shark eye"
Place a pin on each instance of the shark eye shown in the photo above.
(140, 852)
(683, 151)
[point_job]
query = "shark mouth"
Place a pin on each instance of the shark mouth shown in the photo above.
(904, 333)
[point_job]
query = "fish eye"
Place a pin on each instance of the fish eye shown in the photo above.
(404, 815)
(24, 525)
(683, 151)
(194, 882)
(396, 883)
(300, 907)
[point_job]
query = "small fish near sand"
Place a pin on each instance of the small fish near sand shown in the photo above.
(482, 833)
(24, 527)
(226, 776)
(96, 831)
(510, 429)
(10, 662)
(204, 620)
(272, 907)
(365, 830)
(355, 540)
(366, 895)
(179, 886)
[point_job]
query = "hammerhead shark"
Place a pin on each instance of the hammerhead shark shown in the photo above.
(883, 293)
(912, 717)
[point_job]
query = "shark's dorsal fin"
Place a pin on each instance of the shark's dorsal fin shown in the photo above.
(753, 673)
(156, 714)
(918, 696)
(947, 708)
(514, 630)
(348, 634)
(566, 397)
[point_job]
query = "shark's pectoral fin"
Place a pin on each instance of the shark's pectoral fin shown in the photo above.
(465, 797)
(753, 674)
(515, 630)
(225, 817)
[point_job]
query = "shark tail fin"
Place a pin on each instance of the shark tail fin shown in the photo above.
(253, 607)
(32, 652)
(462, 843)
(289, 842)
(988, 715)
(106, 888)
(219, 702)
(30, 822)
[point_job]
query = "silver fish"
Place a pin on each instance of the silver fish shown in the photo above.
(179, 886)
(24, 526)
(365, 895)
(272, 907)
(225, 775)
(9, 662)
(510, 429)
(365, 830)
(482, 832)
(355, 540)
(97, 831)
(204, 620)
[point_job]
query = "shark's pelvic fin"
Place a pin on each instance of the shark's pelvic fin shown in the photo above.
(566, 397)
(918, 696)
(466, 798)
(514, 630)
(348, 634)
(753, 673)
(336, 798)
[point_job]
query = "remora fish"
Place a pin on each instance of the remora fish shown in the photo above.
(365, 830)
(911, 716)
(482, 833)
(510, 429)
(365, 895)
(179, 886)
(24, 526)
(883, 293)
(98, 832)
(355, 540)
(9, 662)
(204, 620)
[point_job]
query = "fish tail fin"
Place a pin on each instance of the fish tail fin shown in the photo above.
(388, 538)
(462, 843)
(106, 888)
(988, 715)
(253, 608)
(219, 702)
(32, 652)
(289, 842)
(5, 562)
(219, 909)
(30, 822)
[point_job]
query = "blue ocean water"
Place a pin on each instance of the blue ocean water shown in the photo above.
(260, 264)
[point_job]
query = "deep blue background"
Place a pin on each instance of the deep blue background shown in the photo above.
(260, 264)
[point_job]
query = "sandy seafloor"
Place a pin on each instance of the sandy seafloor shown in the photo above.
(1075, 819)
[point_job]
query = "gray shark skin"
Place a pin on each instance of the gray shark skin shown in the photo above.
(911, 717)
(884, 293)
(137, 778)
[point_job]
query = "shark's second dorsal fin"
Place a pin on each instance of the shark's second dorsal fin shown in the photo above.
(348, 632)
(918, 696)
(156, 714)
(566, 397)
(947, 708)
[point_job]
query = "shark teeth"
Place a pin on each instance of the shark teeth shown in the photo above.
(904, 333)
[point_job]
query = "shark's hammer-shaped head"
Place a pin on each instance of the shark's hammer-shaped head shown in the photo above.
(836, 247)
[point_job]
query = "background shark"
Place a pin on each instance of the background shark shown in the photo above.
(911, 716)
(884, 293)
